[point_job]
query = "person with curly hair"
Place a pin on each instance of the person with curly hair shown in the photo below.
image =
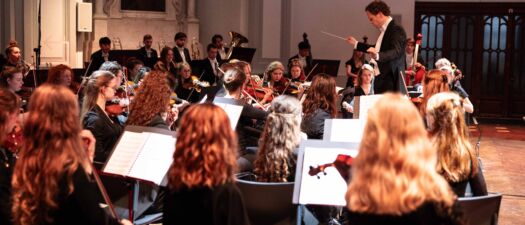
(394, 179)
(457, 161)
(150, 107)
(201, 178)
(9, 110)
(320, 104)
(281, 136)
(52, 180)
(62, 75)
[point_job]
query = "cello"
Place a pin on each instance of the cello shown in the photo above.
(412, 78)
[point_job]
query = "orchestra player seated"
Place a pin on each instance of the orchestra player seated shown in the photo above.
(62, 75)
(320, 104)
(364, 87)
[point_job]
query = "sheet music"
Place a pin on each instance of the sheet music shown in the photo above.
(329, 189)
(344, 130)
(366, 102)
(155, 159)
(125, 153)
(233, 112)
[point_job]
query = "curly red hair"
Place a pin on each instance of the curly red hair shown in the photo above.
(152, 99)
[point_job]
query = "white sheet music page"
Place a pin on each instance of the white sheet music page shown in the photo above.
(366, 102)
(344, 130)
(321, 189)
(125, 153)
(155, 159)
(233, 112)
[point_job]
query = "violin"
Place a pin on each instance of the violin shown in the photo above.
(342, 163)
(255, 89)
(117, 107)
(194, 82)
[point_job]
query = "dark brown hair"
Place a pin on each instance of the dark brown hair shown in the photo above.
(321, 95)
(53, 76)
(378, 6)
(9, 104)
(434, 81)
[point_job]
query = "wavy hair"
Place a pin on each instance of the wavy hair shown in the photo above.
(92, 89)
(360, 73)
(206, 149)
(434, 81)
(456, 159)
(52, 151)
(9, 104)
(281, 135)
(275, 65)
(53, 76)
(394, 172)
(152, 99)
(321, 95)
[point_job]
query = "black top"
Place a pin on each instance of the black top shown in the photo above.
(308, 66)
(7, 165)
(313, 124)
(148, 61)
(477, 185)
(354, 70)
(221, 205)
(205, 68)
(158, 122)
(82, 206)
(246, 124)
(105, 130)
(97, 59)
(189, 95)
(178, 58)
(426, 214)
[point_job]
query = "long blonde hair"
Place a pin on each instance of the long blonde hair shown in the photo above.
(394, 172)
(456, 159)
(281, 135)
(52, 151)
(93, 86)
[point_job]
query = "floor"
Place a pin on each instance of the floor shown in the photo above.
(502, 151)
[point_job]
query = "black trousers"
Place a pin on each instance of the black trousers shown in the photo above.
(384, 83)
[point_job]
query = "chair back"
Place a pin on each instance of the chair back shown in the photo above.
(481, 210)
(268, 203)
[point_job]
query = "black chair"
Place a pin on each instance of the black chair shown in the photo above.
(481, 210)
(268, 203)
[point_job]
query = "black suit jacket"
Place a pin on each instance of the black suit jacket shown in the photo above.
(205, 68)
(97, 60)
(178, 58)
(148, 61)
(391, 55)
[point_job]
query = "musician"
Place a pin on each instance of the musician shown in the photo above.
(409, 60)
(276, 158)
(52, 180)
(147, 54)
(388, 50)
(186, 88)
(14, 56)
(253, 86)
(166, 62)
(353, 65)
(454, 84)
(62, 75)
(12, 79)
(100, 88)
(276, 81)
(457, 161)
(102, 55)
(181, 53)
(9, 111)
(435, 81)
(393, 177)
(133, 65)
(320, 104)
(209, 66)
(296, 71)
(364, 86)
(303, 56)
(201, 178)
(218, 41)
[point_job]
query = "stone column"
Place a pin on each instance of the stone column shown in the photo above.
(192, 23)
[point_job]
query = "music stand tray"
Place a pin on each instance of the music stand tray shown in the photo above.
(327, 66)
(244, 54)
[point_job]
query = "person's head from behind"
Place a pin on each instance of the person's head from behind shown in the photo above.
(378, 13)
(321, 95)
(446, 123)
(206, 149)
(105, 44)
(60, 75)
(9, 109)
(304, 49)
(365, 75)
(394, 172)
(280, 137)
(435, 81)
(147, 40)
(114, 68)
(275, 71)
(180, 39)
(152, 99)
(12, 78)
(234, 79)
(100, 86)
(52, 152)
(217, 40)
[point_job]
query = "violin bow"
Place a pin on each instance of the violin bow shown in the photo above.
(306, 78)
(193, 89)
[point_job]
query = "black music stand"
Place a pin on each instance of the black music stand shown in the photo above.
(244, 54)
(327, 66)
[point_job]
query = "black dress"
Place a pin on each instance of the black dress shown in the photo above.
(7, 164)
(221, 205)
(82, 205)
(313, 124)
(355, 70)
(106, 132)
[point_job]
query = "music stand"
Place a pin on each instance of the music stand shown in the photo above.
(327, 66)
(244, 54)
(402, 85)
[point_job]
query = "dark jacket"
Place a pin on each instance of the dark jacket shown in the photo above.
(148, 61)
(178, 58)
(106, 132)
(97, 60)
(313, 124)
(7, 165)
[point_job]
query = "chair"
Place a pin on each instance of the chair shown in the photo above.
(268, 203)
(481, 210)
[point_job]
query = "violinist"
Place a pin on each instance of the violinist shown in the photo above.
(62, 75)
(100, 87)
(296, 71)
(12, 79)
(253, 87)
(9, 105)
(276, 81)
(53, 177)
(409, 63)
(188, 84)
